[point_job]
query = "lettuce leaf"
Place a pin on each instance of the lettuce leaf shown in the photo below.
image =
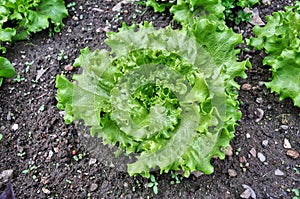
(280, 39)
(167, 97)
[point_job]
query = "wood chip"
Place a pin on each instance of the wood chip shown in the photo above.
(253, 152)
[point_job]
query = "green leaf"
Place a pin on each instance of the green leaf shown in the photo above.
(155, 190)
(37, 22)
(1, 136)
(55, 10)
(7, 34)
(6, 68)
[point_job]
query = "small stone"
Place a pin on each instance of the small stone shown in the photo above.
(279, 172)
(197, 174)
(260, 83)
(246, 87)
(255, 18)
(260, 114)
(125, 184)
(55, 149)
(228, 151)
(243, 159)
(284, 127)
(261, 157)
(75, 18)
(266, 2)
(92, 161)
(287, 144)
(50, 154)
(259, 100)
(46, 191)
(248, 135)
(15, 127)
(93, 187)
(232, 172)
(5, 175)
(69, 67)
(246, 194)
(265, 143)
(253, 152)
(293, 154)
(252, 193)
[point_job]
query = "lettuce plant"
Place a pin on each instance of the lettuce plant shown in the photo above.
(186, 10)
(280, 39)
(168, 97)
(20, 18)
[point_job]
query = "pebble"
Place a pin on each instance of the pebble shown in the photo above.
(92, 161)
(284, 127)
(69, 67)
(15, 127)
(197, 173)
(5, 175)
(246, 194)
(93, 187)
(265, 143)
(255, 18)
(55, 149)
(246, 87)
(261, 157)
(259, 100)
(266, 2)
(260, 114)
(46, 191)
(125, 184)
(248, 135)
(279, 172)
(50, 154)
(232, 172)
(293, 154)
(286, 144)
(75, 18)
(228, 151)
(249, 192)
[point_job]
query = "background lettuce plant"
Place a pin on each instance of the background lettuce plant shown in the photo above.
(168, 97)
(186, 10)
(20, 18)
(280, 39)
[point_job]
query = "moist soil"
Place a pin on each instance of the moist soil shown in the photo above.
(49, 160)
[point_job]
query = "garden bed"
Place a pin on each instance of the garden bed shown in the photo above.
(49, 160)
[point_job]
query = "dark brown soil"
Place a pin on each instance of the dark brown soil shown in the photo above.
(49, 161)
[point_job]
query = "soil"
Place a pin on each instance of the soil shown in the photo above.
(49, 160)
